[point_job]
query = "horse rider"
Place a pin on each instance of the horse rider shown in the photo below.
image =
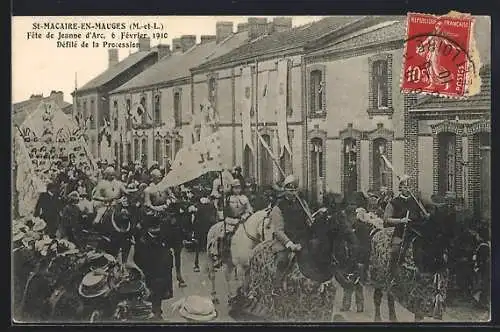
(107, 191)
(156, 200)
(237, 210)
(290, 229)
(398, 213)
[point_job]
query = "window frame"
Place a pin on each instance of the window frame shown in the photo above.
(177, 110)
(321, 112)
(374, 108)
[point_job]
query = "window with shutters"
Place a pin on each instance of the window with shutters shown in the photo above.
(127, 116)
(380, 85)
(157, 110)
(177, 108)
(115, 115)
(447, 162)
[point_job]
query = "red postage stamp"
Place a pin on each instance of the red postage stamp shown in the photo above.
(437, 58)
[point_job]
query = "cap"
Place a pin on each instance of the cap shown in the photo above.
(236, 183)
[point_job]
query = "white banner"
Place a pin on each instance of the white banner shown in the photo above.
(246, 106)
(281, 107)
(193, 161)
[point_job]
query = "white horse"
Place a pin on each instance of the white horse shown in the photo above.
(256, 229)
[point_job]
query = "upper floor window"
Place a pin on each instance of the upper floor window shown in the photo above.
(177, 108)
(144, 116)
(380, 93)
(115, 115)
(157, 110)
(92, 114)
(212, 90)
(129, 120)
(380, 85)
(316, 91)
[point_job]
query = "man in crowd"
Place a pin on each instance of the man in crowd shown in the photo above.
(290, 228)
(107, 191)
(48, 207)
(398, 213)
(158, 267)
(237, 210)
(236, 173)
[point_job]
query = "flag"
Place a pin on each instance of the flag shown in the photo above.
(137, 113)
(193, 161)
(246, 106)
(281, 111)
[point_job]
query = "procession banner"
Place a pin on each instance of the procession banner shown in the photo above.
(246, 106)
(195, 160)
(281, 107)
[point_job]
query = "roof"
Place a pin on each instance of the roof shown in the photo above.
(35, 123)
(18, 117)
(178, 65)
(280, 41)
(111, 73)
(374, 35)
(482, 99)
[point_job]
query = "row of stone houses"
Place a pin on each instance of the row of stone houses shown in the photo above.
(340, 90)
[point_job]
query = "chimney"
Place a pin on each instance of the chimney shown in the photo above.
(144, 44)
(242, 27)
(57, 96)
(208, 38)
(223, 29)
(163, 50)
(112, 57)
(40, 96)
(176, 45)
(282, 24)
(257, 26)
(187, 41)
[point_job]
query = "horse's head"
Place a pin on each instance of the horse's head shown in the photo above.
(433, 239)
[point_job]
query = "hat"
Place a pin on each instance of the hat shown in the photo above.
(93, 284)
(236, 183)
(198, 308)
(132, 187)
(109, 170)
(290, 179)
(74, 196)
(404, 178)
(156, 172)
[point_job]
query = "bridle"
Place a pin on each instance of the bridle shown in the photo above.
(262, 226)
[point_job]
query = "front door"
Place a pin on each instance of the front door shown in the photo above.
(485, 181)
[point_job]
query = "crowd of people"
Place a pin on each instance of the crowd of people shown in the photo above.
(78, 199)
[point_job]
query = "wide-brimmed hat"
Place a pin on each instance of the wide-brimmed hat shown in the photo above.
(290, 181)
(94, 284)
(74, 196)
(198, 308)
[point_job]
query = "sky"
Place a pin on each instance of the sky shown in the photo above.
(39, 66)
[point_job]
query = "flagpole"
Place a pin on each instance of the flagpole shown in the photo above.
(306, 210)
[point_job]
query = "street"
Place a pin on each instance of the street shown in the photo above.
(198, 284)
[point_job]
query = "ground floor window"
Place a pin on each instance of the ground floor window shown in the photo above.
(447, 162)
(137, 150)
(380, 169)
(248, 165)
(144, 150)
(350, 174)
(266, 165)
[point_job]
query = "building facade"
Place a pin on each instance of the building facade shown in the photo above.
(164, 96)
(91, 102)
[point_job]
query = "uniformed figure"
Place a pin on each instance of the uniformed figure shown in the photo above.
(237, 210)
(290, 226)
(400, 211)
(156, 200)
(108, 190)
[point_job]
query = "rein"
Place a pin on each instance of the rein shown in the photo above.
(262, 229)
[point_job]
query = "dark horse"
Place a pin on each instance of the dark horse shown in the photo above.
(421, 282)
(309, 292)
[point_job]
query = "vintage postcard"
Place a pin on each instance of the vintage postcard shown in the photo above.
(208, 169)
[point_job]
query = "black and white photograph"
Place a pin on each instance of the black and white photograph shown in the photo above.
(279, 169)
